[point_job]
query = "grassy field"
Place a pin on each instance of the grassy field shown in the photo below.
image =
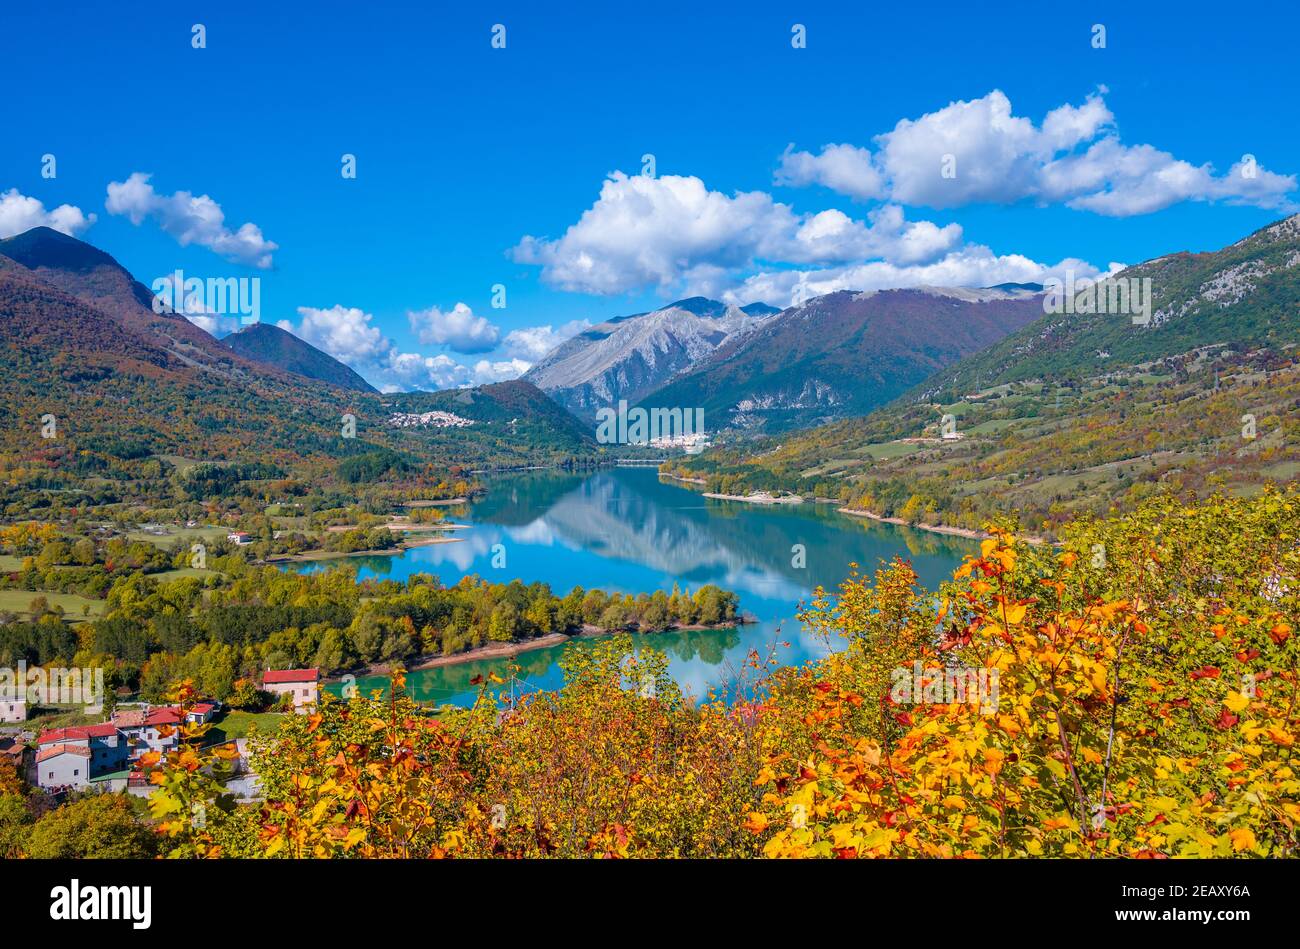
(888, 450)
(882, 451)
(9, 563)
(58, 716)
(178, 572)
(992, 426)
(236, 724)
(181, 464)
(19, 601)
(173, 532)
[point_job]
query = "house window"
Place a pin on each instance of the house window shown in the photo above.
(51, 775)
(76, 771)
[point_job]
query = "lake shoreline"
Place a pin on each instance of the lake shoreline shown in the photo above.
(966, 532)
(763, 497)
(490, 651)
(314, 555)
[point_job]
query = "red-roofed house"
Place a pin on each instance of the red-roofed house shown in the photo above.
(102, 730)
(129, 718)
(63, 766)
(143, 730)
(201, 712)
(302, 684)
(163, 715)
(161, 729)
(75, 756)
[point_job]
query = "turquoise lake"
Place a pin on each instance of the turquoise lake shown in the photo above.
(628, 530)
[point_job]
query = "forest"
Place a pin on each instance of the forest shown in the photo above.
(219, 630)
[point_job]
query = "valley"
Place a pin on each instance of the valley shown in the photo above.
(507, 563)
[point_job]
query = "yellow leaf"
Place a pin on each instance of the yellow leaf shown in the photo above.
(1243, 838)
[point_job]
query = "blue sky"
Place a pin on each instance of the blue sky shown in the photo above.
(476, 166)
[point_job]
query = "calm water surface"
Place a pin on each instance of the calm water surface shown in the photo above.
(626, 530)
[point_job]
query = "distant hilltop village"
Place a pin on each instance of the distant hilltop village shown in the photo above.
(693, 443)
(436, 419)
(657, 427)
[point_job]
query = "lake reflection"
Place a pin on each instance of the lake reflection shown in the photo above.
(626, 530)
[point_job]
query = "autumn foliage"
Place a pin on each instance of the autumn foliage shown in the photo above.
(1138, 698)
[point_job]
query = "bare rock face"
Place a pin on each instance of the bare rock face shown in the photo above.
(632, 356)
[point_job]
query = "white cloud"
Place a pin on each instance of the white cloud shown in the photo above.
(500, 370)
(834, 236)
(534, 342)
(458, 329)
(669, 231)
(1001, 158)
(349, 335)
(214, 323)
(413, 371)
(344, 332)
(842, 168)
(189, 219)
(19, 213)
(648, 232)
(995, 155)
(972, 266)
(1116, 181)
(673, 234)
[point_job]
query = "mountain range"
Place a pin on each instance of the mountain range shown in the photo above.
(1055, 412)
(843, 354)
(756, 368)
(46, 258)
(80, 341)
(1075, 412)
